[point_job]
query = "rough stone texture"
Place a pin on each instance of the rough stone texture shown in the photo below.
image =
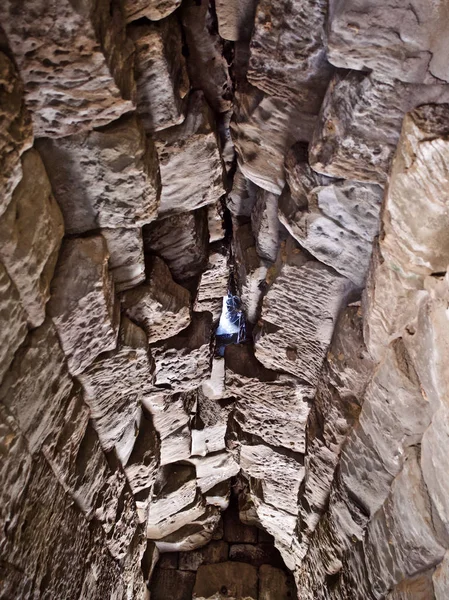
(239, 580)
(13, 320)
(298, 315)
(184, 361)
(16, 134)
(338, 226)
(404, 42)
(213, 286)
(161, 75)
(241, 199)
(287, 55)
(207, 65)
(126, 260)
(274, 584)
(251, 269)
(114, 385)
(78, 74)
(189, 160)
(182, 241)
(104, 178)
(82, 303)
(265, 224)
(235, 19)
(30, 259)
(360, 123)
(160, 306)
(152, 9)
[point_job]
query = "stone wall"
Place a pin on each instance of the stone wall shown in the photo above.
(154, 154)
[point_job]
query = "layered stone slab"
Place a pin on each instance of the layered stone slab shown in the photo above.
(82, 304)
(151, 9)
(393, 40)
(126, 259)
(17, 133)
(78, 74)
(161, 75)
(104, 178)
(160, 306)
(235, 19)
(31, 229)
(189, 159)
(182, 241)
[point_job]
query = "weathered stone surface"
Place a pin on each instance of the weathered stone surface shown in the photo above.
(16, 134)
(238, 579)
(214, 552)
(160, 71)
(160, 306)
(215, 222)
(360, 123)
(193, 535)
(31, 229)
(406, 521)
(404, 42)
(242, 197)
(265, 224)
(104, 178)
(176, 585)
(82, 302)
(13, 320)
(214, 468)
(279, 475)
(276, 411)
(207, 65)
(415, 588)
(256, 554)
(298, 317)
(262, 129)
(152, 9)
(251, 269)
(441, 578)
(114, 385)
(78, 74)
(37, 386)
(182, 241)
(275, 584)
(338, 226)
(189, 160)
(213, 286)
(184, 361)
(287, 55)
(126, 261)
(235, 19)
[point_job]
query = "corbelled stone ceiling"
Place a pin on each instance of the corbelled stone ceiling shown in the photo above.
(224, 299)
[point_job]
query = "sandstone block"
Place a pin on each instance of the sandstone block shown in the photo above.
(213, 286)
(238, 579)
(83, 62)
(287, 55)
(37, 387)
(160, 306)
(214, 468)
(160, 72)
(31, 229)
(275, 584)
(360, 123)
(441, 579)
(193, 535)
(241, 199)
(298, 316)
(189, 160)
(13, 320)
(207, 65)
(256, 554)
(176, 585)
(17, 133)
(126, 259)
(152, 9)
(183, 362)
(338, 226)
(114, 385)
(214, 552)
(182, 241)
(235, 19)
(82, 303)
(215, 222)
(404, 42)
(265, 224)
(104, 178)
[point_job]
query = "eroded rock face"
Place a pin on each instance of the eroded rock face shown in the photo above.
(105, 178)
(78, 74)
(189, 153)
